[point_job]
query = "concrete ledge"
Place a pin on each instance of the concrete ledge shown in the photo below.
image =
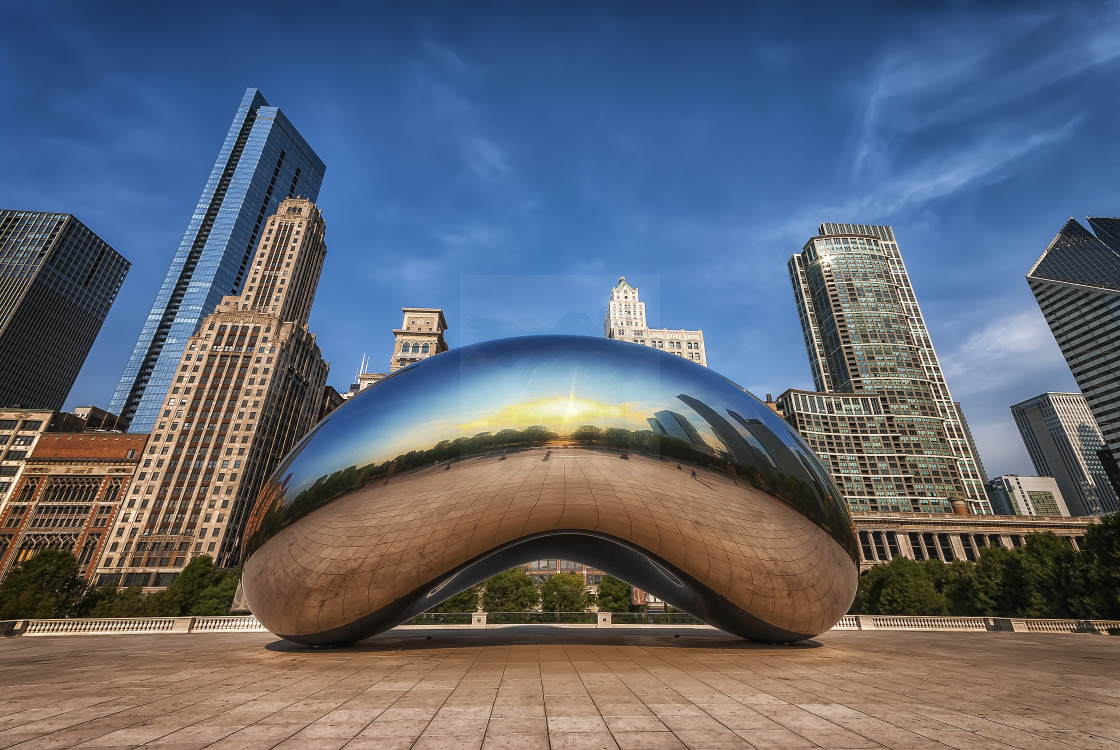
(249, 624)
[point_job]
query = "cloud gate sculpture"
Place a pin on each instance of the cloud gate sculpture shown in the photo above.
(620, 456)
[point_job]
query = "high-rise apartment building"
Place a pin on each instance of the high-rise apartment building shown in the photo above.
(69, 496)
(57, 282)
(263, 161)
(1063, 441)
(882, 417)
(248, 386)
(1013, 495)
(1077, 285)
(419, 337)
(626, 321)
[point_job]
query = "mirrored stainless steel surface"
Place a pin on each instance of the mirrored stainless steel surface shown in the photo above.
(624, 457)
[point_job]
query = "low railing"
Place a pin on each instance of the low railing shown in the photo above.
(105, 626)
(441, 618)
(249, 624)
(654, 618)
(902, 622)
(227, 625)
(1071, 626)
(541, 618)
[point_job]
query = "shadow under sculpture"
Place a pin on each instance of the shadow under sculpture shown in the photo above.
(624, 457)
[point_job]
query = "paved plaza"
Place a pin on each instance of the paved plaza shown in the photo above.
(538, 687)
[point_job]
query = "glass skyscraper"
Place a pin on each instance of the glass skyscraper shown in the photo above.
(1076, 283)
(263, 161)
(57, 282)
(882, 416)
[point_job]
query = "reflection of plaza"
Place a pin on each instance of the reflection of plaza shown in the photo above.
(731, 542)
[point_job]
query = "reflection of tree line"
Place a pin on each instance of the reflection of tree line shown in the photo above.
(803, 496)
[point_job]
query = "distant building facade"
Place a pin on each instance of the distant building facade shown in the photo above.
(419, 337)
(263, 161)
(1063, 441)
(882, 417)
(20, 430)
(1013, 495)
(57, 282)
(947, 537)
(248, 387)
(1076, 283)
(626, 321)
(71, 492)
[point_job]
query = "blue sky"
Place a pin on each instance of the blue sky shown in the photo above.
(508, 161)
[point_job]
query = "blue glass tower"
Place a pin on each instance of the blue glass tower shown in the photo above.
(263, 161)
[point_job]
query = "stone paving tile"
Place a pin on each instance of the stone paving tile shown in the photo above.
(530, 688)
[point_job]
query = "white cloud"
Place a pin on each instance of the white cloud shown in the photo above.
(484, 158)
(953, 73)
(1011, 347)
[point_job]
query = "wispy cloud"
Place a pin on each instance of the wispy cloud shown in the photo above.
(937, 176)
(955, 72)
(486, 160)
(1013, 347)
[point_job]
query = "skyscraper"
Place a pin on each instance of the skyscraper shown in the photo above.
(626, 321)
(883, 418)
(248, 386)
(263, 161)
(1077, 285)
(57, 282)
(1063, 441)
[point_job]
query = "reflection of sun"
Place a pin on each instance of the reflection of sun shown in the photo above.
(556, 412)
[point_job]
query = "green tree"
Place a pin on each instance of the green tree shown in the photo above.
(1101, 569)
(200, 589)
(564, 592)
(510, 591)
(999, 582)
(1050, 576)
(108, 601)
(907, 590)
(867, 591)
(614, 595)
(956, 581)
(464, 601)
(45, 586)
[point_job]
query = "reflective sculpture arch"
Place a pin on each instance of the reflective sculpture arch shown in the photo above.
(621, 456)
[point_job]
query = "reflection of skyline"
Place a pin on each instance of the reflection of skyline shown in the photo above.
(674, 425)
(514, 395)
(556, 389)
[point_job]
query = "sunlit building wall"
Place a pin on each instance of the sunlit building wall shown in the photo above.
(419, 337)
(263, 160)
(1064, 442)
(1014, 495)
(902, 447)
(71, 492)
(248, 386)
(626, 321)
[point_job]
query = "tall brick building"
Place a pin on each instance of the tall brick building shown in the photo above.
(248, 386)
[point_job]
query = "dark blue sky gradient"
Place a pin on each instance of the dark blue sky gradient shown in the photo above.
(508, 161)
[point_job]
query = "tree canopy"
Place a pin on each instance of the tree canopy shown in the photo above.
(564, 592)
(510, 591)
(614, 595)
(1045, 578)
